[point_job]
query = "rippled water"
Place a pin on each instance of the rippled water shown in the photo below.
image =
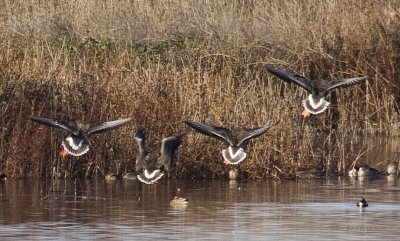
(217, 210)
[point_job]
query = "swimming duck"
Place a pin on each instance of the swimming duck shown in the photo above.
(366, 172)
(362, 203)
(130, 176)
(150, 165)
(354, 171)
(318, 89)
(76, 142)
(392, 169)
(236, 139)
(112, 177)
(179, 202)
(3, 177)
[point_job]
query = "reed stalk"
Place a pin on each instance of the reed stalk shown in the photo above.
(162, 62)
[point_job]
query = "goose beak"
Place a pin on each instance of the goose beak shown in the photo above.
(63, 153)
(226, 162)
(305, 113)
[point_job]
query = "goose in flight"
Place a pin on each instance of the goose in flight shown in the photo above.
(236, 139)
(76, 142)
(318, 89)
(151, 165)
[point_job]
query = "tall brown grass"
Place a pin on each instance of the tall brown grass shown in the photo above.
(162, 62)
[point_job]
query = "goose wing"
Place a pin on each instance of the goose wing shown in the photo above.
(247, 134)
(106, 126)
(287, 77)
(168, 147)
(142, 156)
(345, 82)
(54, 123)
(217, 132)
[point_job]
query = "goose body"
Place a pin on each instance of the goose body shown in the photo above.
(76, 142)
(236, 139)
(316, 102)
(150, 165)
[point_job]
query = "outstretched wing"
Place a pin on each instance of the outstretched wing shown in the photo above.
(292, 78)
(140, 138)
(217, 132)
(345, 82)
(248, 134)
(106, 126)
(142, 155)
(53, 123)
(168, 147)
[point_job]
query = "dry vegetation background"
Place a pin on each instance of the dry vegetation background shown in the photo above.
(162, 62)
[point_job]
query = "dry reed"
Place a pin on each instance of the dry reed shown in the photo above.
(162, 62)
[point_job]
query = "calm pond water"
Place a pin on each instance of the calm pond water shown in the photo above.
(217, 210)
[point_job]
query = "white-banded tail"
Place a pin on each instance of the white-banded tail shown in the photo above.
(150, 178)
(72, 150)
(234, 157)
(315, 107)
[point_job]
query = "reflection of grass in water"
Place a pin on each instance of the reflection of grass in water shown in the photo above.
(162, 63)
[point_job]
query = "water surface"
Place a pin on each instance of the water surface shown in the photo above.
(217, 210)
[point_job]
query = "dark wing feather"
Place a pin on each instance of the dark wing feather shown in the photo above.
(53, 123)
(247, 134)
(217, 132)
(106, 126)
(140, 137)
(142, 155)
(345, 82)
(168, 147)
(297, 79)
